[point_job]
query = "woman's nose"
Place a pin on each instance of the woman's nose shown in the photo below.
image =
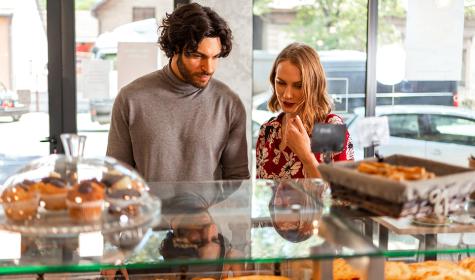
(287, 92)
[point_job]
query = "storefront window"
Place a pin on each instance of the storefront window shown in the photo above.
(427, 68)
(337, 30)
(112, 51)
(24, 117)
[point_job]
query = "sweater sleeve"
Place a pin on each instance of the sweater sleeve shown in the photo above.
(119, 144)
(234, 160)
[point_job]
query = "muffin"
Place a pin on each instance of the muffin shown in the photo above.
(115, 182)
(85, 201)
(124, 202)
(20, 202)
(53, 192)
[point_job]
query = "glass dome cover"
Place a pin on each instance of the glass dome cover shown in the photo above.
(68, 194)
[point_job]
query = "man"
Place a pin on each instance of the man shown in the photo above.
(179, 123)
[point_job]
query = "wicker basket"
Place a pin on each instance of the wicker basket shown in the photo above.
(446, 192)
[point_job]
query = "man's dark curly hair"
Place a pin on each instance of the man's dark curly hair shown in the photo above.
(184, 29)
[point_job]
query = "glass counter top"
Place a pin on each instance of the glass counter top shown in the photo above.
(210, 223)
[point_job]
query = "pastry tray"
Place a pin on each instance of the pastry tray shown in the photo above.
(446, 192)
(58, 223)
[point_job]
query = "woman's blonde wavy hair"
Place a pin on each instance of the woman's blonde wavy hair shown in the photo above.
(316, 103)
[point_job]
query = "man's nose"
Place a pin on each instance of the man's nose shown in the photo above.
(208, 65)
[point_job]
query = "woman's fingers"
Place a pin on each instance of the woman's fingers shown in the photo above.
(296, 125)
(299, 124)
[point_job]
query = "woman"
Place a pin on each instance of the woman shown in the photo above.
(300, 93)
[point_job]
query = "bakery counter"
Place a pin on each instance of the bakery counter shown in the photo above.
(212, 229)
(293, 229)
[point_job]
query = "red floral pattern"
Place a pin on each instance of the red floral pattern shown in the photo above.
(272, 163)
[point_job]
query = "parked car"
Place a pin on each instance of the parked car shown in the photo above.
(12, 163)
(440, 133)
(9, 105)
(106, 47)
(101, 110)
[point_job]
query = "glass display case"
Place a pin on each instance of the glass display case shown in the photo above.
(54, 207)
(215, 229)
(293, 229)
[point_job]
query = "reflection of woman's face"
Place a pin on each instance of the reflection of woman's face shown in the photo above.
(286, 196)
(288, 200)
(288, 86)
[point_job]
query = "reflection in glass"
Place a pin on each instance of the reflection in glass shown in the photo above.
(294, 213)
(194, 234)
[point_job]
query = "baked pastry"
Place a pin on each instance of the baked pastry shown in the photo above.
(468, 263)
(124, 202)
(53, 192)
(85, 201)
(395, 172)
(118, 182)
(343, 271)
(439, 270)
(397, 271)
(254, 277)
(431, 219)
(20, 201)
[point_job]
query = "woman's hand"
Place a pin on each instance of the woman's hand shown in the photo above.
(297, 138)
(298, 141)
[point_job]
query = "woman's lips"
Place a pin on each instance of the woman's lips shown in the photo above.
(288, 104)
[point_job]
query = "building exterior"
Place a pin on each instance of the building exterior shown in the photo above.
(6, 13)
(23, 46)
(107, 12)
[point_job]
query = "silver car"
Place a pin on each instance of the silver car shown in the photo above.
(440, 133)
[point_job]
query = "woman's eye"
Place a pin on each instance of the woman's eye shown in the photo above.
(280, 82)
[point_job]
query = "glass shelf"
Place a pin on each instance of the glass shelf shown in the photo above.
(210, 224)
(249, 222)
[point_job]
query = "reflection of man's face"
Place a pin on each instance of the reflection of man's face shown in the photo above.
(196, 68)
(200, 231)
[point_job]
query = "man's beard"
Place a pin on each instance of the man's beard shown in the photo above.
(188, 76)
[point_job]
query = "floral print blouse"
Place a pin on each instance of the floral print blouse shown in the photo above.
(272, 163)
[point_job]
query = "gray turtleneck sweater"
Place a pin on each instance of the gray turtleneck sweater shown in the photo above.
(169, 130)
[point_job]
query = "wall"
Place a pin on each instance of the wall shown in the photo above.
(114, 13)
(236, 69)
(5, 51)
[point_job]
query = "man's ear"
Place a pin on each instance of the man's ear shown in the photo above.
(212, 230)
(174, 222)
